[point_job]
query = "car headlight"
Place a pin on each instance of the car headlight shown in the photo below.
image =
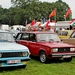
(72, 49)
(25, 53)
(0, 55)
(55, 50)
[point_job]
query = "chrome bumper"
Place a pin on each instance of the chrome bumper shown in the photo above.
(62, 55)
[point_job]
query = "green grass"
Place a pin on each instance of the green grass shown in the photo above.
(34, 67)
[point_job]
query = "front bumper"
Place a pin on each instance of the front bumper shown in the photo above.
(21, 63)
(62, 55)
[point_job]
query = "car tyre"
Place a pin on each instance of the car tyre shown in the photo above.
(43, 57)
(67, 59)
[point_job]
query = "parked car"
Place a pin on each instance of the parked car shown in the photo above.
(12, 53)
(46, 45)
(70, 39)
(64, 33)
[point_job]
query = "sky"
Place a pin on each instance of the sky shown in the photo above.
(7, 4)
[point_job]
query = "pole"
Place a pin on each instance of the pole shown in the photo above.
(55, 22)
(64, 17)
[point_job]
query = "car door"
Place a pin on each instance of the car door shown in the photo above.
(22, 38)
(29, 40)
(32, 44)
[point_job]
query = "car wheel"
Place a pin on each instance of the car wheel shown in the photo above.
(67, 59)
(43, 57)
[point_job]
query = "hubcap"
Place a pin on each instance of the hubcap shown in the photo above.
(43, 58)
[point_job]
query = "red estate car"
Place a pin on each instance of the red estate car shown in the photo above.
(46, 45)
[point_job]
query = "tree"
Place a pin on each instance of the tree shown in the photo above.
(23, 10)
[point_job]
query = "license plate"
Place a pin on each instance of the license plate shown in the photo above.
(13, 61)
(24, 62)
(66, 56)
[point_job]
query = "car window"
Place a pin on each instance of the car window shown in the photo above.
(47, 37)
(73, 35)
(32, 37)
(25, 36)
(6, 37)
(64, 33)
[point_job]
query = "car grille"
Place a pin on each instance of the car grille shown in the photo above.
(63, 49)
(12, 54)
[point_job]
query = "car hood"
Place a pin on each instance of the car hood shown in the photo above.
(12, 46)
(56, 44)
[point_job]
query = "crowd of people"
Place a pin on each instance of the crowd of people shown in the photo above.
(41, 29)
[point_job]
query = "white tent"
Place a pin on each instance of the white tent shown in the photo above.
(18, 26)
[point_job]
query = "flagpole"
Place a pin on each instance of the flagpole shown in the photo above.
(65, 17)
(55, 22)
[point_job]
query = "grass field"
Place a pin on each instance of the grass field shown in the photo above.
(34, 67)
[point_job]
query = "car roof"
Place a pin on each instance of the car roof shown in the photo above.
(37, 32)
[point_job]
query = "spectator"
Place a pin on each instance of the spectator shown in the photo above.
(50, 29)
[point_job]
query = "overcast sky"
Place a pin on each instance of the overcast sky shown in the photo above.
(71, 3)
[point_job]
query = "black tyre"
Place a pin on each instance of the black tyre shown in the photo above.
(43, 57)
(68, 59)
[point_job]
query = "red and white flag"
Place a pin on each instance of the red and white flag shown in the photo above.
(47, 24)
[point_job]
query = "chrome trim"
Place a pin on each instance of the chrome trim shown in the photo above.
(63, 54)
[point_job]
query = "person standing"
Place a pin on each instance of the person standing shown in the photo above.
(50, 29)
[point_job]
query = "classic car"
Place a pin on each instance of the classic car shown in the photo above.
(46, 45)
(12, 53)
(64, 33)
(70, 39)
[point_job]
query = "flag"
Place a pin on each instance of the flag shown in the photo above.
(33, 22)
(43, 20)
(72, 23)
(47, 23)
(68, 12)
(39, 24)
(53, 20)
(53, 13)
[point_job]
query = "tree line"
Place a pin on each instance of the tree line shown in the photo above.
(23, 11)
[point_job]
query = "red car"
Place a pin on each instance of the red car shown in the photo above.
(46, 45)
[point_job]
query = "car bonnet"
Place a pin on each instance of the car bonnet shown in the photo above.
(56, 44)
(12, 46)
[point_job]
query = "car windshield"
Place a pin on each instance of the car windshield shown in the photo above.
(6, 37)
(63, 33)
(47, 37)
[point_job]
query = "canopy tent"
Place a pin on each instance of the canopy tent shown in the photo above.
(18, 26)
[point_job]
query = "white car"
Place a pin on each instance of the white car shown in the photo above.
(11, 53)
